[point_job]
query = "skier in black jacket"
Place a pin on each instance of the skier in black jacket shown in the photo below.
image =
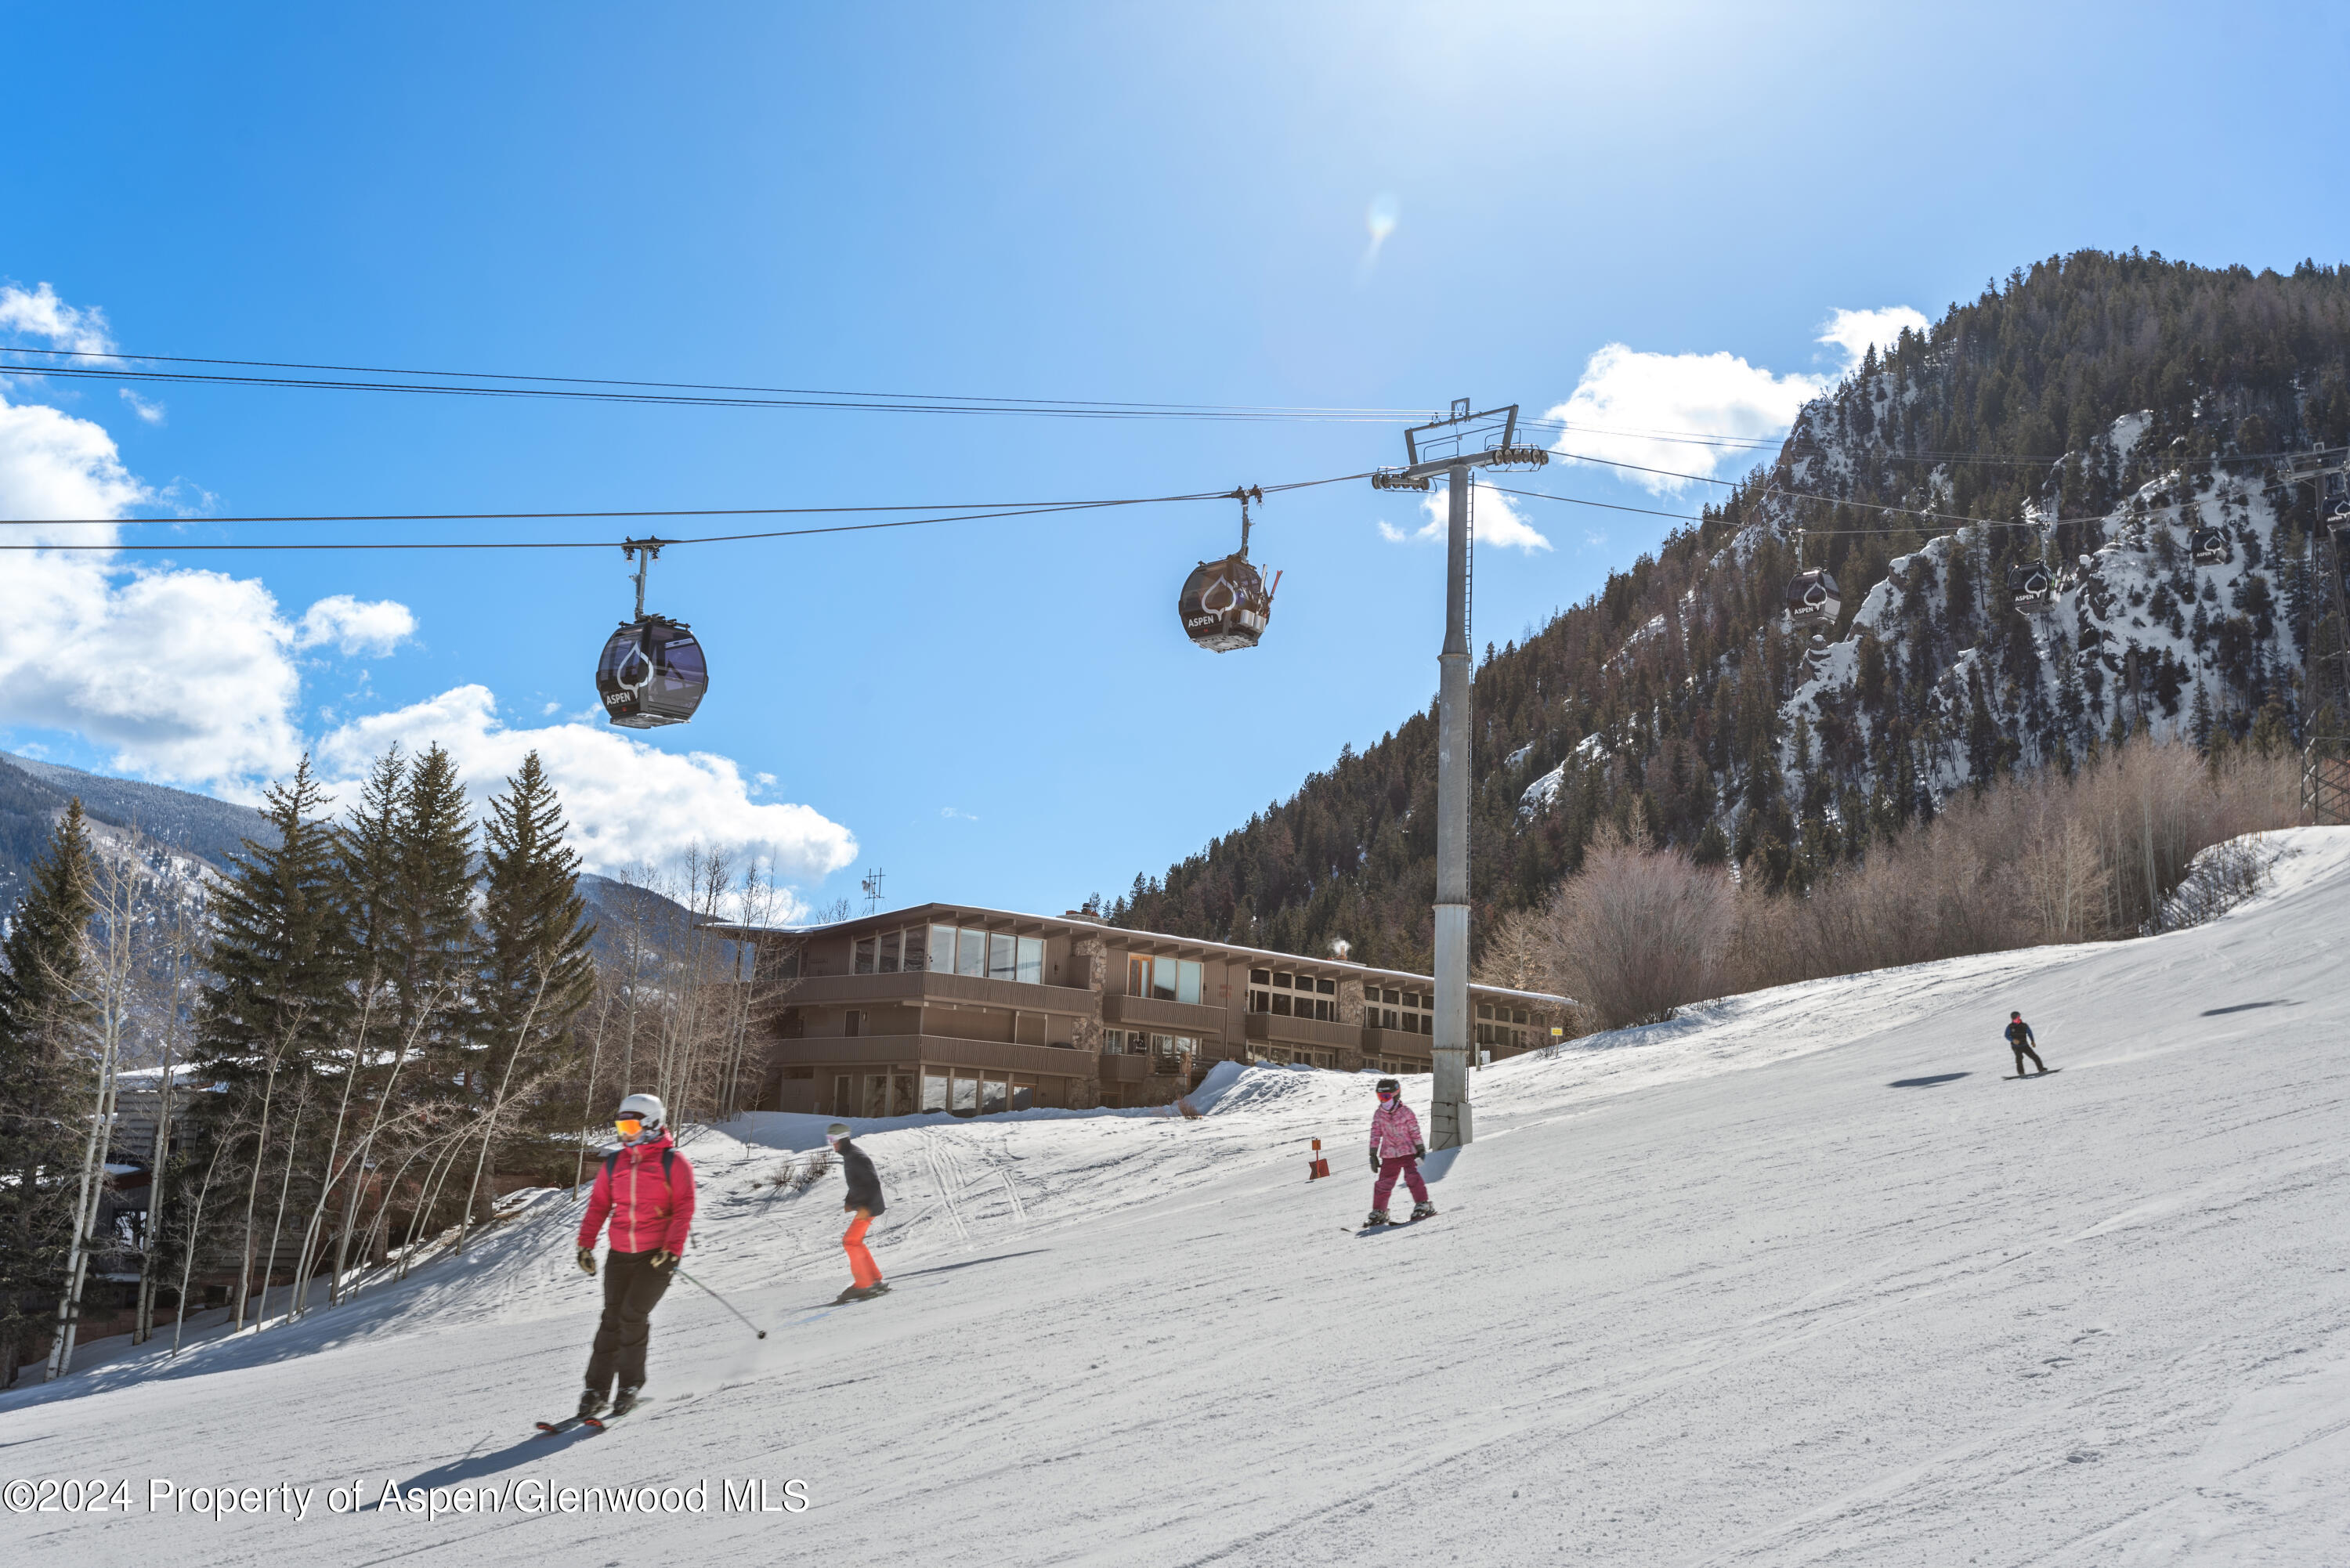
(865, 1202)
(2019, 1035)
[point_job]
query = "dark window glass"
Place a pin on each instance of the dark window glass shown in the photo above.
(1260, 976)
(1280, 1005)
(1327, 987)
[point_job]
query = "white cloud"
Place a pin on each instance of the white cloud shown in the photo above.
(1652, 410)
(194, 676)
(1496, 522)
(182, 674)
(951, 815)
(628, 801)
(39, 312)
(151, 412)
(1692, 415)
(356, 625)
(1855, 331)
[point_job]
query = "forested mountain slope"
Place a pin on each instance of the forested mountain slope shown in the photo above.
(2095, 414)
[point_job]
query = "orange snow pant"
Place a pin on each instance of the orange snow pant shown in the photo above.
(860, 1262)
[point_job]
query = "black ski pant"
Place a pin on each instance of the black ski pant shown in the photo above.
(631, 1286)
(2024, 1051)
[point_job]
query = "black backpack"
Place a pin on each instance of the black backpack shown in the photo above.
(612, 1164)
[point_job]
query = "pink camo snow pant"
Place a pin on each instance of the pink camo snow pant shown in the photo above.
(1406, 1165)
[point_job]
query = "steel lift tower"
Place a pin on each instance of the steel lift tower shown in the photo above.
(1455, 447)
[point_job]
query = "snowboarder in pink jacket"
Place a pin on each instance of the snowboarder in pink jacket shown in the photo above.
(1395, 1149)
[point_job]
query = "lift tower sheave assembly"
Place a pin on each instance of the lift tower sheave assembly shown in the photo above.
(1455, 446)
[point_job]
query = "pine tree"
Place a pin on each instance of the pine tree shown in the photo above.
(535, 970)
(45, 1079)
(368, 851)
(430, 936)
(277, 997)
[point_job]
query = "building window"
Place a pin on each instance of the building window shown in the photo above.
(888, 952)
(935, 1091)
(1260, 976)
(912, 958)
(1030, 968)
(942, 950)
(1282, 1006)
(1164, 978)
(1327, 987)
(992, 1096)
(966, 1096)
(864, 961)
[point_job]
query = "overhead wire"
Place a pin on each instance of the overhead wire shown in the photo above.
(985, 515)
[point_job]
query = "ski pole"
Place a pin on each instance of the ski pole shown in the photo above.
(721, 1300)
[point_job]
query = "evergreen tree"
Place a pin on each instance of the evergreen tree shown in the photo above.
(431, 934)
(46, 1080)
(368, 851)
(278, 994)
(536, 972)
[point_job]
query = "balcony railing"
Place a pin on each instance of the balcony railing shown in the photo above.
(1304, 1031)
(933, 985)
(1170, 1017)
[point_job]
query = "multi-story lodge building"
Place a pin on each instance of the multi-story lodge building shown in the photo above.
(945, 1007)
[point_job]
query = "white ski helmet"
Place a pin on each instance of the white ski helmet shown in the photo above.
(648, 1109)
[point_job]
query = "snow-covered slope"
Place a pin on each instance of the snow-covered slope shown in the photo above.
(1794, 1278)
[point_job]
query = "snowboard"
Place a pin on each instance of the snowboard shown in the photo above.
(1390, 1225)
(2011, 1077)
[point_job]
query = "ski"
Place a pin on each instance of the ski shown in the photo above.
(598, 1423)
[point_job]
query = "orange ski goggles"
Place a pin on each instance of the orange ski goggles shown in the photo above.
(628, 1126)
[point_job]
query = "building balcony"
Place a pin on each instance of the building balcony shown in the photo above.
(938, 1050)
(1165, 1017)
(1417, 1046)
(931, 985)
(1269, 1026)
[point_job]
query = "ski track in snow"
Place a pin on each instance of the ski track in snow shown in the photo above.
(1763, 1285)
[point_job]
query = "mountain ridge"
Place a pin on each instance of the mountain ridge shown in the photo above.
(2092, 413)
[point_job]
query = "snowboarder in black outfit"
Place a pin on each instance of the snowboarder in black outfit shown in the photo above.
(2019, 1035)
(864, 1201)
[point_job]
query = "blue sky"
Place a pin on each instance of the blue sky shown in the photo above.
(1101, 202)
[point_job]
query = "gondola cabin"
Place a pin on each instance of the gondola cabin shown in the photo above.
(1813, 598)
(652, 673)
(1225, 604)
(2033, 587)
(2211, 546)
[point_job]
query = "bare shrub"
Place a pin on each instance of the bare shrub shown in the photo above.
(796, 1176)
(1637, 934)
(2048, 858)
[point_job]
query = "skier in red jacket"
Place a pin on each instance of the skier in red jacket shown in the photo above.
(1395, 1149)
(645, 1188)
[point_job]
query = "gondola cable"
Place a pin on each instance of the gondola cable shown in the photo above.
(1047, 510)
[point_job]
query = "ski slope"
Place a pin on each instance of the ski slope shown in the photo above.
(1794, 1278)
